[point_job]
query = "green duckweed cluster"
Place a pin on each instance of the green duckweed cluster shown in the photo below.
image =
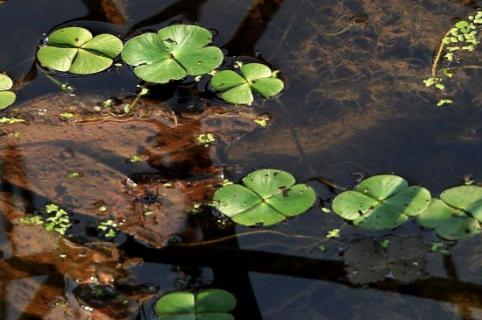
(205, 139)
(108, 229)
(10, 120)
(462, 37)
(56, 219)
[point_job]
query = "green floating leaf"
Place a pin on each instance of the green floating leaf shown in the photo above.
(211, 304)
(463, 26)
(75, 50)
(7, 97)
(381, 202)
(267, 197)
(173, 53)
(466, 198)
(457, 215)
(238, 88)
(369, 261)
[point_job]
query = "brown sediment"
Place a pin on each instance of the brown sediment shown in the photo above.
(177, 172)
(38, 266)
(358, 80)
(149, 200)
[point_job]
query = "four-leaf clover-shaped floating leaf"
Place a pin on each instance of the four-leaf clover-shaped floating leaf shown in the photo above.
(173, 53)
(457, 215)
(7, 97)
(210, 304)
(367, 261)
(238, 88)
(381, 202)
(76, 51)
(267, 197)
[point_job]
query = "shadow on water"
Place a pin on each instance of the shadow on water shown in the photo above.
(188, 9)
(253, 27)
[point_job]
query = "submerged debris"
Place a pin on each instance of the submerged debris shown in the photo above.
(176, 169)
(402, 258)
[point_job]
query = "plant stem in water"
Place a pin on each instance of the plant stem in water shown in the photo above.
(438, 55)
(329, 34)
(249, 233)
(62, 86)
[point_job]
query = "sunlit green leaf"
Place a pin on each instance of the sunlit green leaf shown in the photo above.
(172, 54)
(237, 88)
(76, 51)
(381, 202)
(267, 197)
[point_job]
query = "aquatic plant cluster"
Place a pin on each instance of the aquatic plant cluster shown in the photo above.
(463, 36)
(387, 201)
(381, 202)
(173, 53)
(54, 219)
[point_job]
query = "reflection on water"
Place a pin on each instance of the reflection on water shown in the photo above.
(354, 106)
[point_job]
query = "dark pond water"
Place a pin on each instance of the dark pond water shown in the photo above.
(354, 106)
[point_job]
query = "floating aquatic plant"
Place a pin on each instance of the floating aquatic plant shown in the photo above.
(135, 158)
(205, 139)
(66, 115)
(7, 97)
(456, 215)
(237, 88)
(369, 261)
(463, 36)
(56, 219)
(75, 50)
(10, 120)
(267, 197)
(381, 202)
(210, 304)
(173, 53)
(108, 228)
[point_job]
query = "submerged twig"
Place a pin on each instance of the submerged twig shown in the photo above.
(328, 183)
(285, 35)
(295, 135)
(249, 233)
(326, 33)
(358, 18)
